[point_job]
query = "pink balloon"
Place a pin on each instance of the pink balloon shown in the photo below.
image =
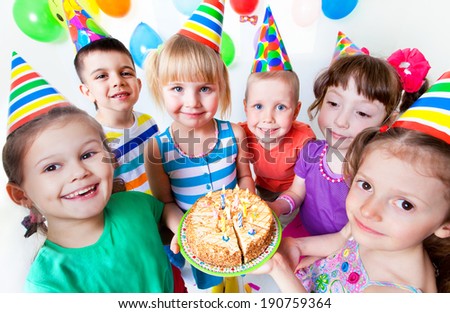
(306, 12)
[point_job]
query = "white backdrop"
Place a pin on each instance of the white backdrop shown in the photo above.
(382, 26)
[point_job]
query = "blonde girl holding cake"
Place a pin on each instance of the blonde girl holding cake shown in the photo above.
(197, 153)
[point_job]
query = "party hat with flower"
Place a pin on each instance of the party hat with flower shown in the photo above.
(345, 46)
(82, 27)
(30, 95)
(270, 54)
(430, 113)
(205, 24)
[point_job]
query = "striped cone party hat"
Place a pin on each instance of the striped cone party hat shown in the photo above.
(270, 54)
(205, 24)
(344, 46)
(82, 27)
(430, 113)
(30, 94)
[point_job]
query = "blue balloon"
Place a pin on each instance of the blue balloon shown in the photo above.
(336, 9)
(143, 39)
(186, 7)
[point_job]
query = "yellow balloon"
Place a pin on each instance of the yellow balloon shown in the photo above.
(56, 7)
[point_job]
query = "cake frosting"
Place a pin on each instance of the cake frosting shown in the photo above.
(229, 227)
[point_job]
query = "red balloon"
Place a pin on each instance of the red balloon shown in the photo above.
(244, 7)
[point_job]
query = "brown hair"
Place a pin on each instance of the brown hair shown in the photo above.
(18, 141)
(107, 44)
(415, 147)
(375, 79)
(290, 78)
(183, 59)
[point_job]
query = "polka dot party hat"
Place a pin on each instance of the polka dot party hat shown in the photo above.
(430, 113)
(344, 46)
(82, 27)
(270, 54)
(205, 24)
(30, 94)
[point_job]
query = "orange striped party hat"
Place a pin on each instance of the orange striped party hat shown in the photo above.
(431, 112)
(30, 95)
(205, 24)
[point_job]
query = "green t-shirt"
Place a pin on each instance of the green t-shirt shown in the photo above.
(128, 257)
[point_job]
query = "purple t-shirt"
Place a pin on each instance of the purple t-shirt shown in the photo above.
(323, 209)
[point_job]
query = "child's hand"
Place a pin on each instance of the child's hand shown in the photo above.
(174, 245)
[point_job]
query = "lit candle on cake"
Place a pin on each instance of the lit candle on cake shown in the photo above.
(222, 224)
(236, 202)
(239, 216)
(222, 197)
(244, 209)
(227, 210)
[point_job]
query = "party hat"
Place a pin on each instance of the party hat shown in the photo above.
(270, 54)
(30, 96)
(344, 46)
(431, 112)
(205, 24)
(82, 27)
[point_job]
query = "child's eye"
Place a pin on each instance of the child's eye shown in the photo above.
(52, 167)
(177, 89)
(258, 106)
(281, 107)
(205, 89)
(88, 155)
(362, 114)
(364, 185)
(100, 76)
(332, 104)
(127, 74)
(404, 204)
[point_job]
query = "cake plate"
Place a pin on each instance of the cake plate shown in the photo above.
(233, 270)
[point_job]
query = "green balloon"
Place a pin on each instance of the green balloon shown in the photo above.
(35, 20)
(227, 49)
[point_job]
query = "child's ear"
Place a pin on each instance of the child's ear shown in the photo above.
(18, 195)
(297, 109)
(86, 92)
(443, 231)
(245, 105)
(140, 84)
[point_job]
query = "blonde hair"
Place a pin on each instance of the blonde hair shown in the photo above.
(183, 59)
(290, 78)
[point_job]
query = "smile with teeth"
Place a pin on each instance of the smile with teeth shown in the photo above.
(268, 131)
(121, 95)
(81, 193)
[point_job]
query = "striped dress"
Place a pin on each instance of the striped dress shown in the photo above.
(193, 177)
(128, 147)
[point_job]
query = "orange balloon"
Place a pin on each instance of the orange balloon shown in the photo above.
(114, 8)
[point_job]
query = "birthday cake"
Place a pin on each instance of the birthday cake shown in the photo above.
(229, 227)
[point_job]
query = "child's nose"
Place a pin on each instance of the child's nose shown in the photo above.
(371, 208)
(118, 81)
(79, 171)
(342, 120)
(268, 116)
(190, 99)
